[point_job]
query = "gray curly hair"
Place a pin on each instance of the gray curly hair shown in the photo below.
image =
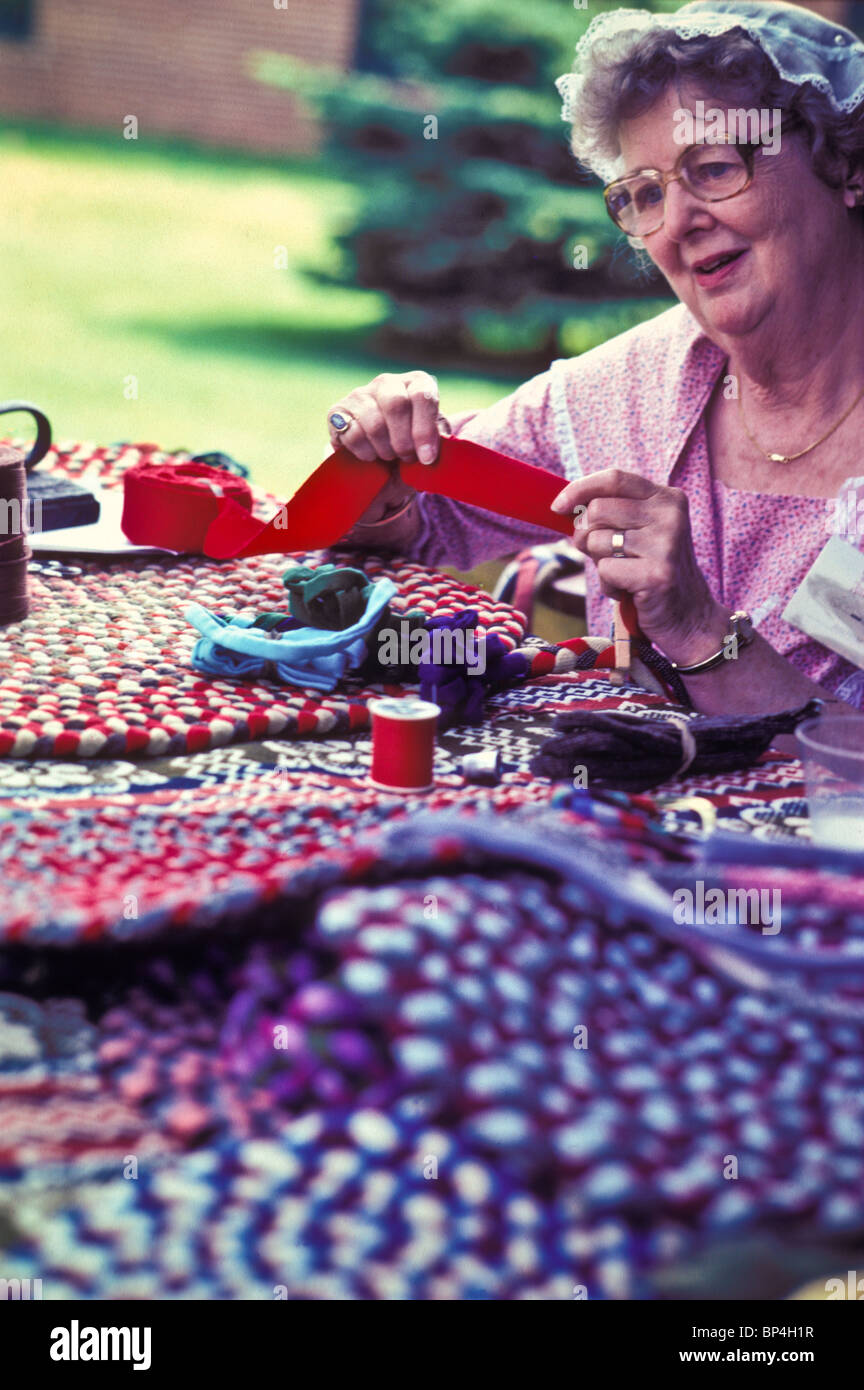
(629, 73)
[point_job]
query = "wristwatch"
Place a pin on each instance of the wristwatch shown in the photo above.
(741, 633)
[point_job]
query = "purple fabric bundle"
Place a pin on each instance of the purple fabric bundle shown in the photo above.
(460, 686)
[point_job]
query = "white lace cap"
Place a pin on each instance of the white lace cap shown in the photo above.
(801, 45)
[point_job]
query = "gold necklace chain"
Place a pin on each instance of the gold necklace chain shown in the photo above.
(790, 458)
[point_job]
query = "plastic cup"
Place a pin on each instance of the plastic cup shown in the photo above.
(832, 751)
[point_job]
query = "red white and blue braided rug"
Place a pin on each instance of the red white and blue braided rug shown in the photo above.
(378, 1095)
(102, 666)
(386, 1099)
(128, 850)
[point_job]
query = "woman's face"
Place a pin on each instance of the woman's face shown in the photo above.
(787, 227)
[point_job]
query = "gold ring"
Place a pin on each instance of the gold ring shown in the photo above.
(618, 552)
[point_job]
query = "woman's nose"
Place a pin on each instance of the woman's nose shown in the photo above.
(683, 211)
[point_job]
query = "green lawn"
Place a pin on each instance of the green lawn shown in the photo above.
(122, 259)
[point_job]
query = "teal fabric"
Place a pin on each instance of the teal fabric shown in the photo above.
(307, 656)
(331, 596)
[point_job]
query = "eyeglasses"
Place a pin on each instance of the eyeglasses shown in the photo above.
(712, 173)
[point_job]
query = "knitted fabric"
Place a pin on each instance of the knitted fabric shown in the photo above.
(622, 751)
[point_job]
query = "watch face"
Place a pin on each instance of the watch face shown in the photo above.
(742, 626)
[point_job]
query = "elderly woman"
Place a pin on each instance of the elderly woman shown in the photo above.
(702, 450)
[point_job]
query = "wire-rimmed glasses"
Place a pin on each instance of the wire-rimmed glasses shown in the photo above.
(712, 173)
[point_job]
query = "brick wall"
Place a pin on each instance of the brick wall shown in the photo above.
(180, 66)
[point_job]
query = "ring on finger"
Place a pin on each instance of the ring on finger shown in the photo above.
(618, 542)
(340, 421)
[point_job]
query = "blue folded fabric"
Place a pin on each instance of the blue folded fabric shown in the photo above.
(308, 656)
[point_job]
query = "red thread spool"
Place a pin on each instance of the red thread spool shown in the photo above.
(14, 551)
(173, 504)
(403, 744)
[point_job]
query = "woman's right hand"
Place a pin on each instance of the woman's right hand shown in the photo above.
(395, 418)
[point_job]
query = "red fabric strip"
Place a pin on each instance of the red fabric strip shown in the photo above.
(194, 508)
(323, 508)
(339, 491)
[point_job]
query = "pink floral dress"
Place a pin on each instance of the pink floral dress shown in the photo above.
(638, 402)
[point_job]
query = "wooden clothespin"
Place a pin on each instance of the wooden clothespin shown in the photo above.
(621, 672)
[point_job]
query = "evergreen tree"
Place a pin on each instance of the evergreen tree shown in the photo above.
(475, 220)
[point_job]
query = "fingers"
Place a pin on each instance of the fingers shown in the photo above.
(620, 578)
(392, 495)
(599, 543)
(367, 435)
(613, 514)
(607, 482)
(596, 524)
(394, 417)
(595, 539)
(596, 544)
(425, 432)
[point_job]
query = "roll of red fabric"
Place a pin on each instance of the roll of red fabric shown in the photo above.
(173, 504)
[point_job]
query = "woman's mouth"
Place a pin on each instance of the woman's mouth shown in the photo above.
(712, 269)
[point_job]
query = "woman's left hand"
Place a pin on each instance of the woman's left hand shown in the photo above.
(674, 605)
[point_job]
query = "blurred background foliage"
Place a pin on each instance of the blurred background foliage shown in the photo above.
(473, 213)
(247, 293)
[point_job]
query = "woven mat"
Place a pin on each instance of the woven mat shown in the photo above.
(102, 668)
(128, 851)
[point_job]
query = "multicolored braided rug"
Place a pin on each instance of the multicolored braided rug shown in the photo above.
(466, 1082)
(102, 666)
(128, 850)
